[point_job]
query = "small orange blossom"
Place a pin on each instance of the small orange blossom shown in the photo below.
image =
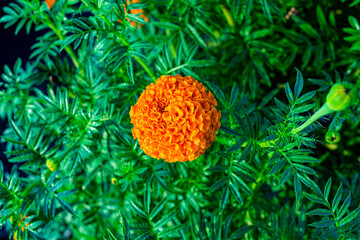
(135, 12)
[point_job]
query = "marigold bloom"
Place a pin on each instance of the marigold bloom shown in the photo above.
(135, 12)
(175, 119)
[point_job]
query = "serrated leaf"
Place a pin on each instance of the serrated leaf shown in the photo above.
(196, 35)
(217, 92)
(224, 199)
(170, 230)
(286, 175)
(314, 198)
(304, 159)
(299, 84)
(239, 233)
(278, 166)
(323, 223)
(304, 169)
(16, 129)
(350, 217)
(266, 10)
(327, 189)
(344, 207)
(66, 206)
(236, 193)
(234, 95)
(165, 219)
(218, 184)
(158, 208)
(138, 210)
(320, 212)
(337, 197)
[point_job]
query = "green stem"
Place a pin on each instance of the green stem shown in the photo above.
(321, 112)
(68, 49)
(121, 37)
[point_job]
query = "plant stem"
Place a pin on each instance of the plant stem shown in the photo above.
(68, 49)
(321, 112)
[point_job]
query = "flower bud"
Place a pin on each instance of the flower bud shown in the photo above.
(52, 164)
(341, 96)
(332, 136)
(114, 181)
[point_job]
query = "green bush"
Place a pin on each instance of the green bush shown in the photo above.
(78, 173)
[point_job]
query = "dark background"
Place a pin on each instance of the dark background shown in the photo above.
(11, 48)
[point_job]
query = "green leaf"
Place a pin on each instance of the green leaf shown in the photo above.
(158, 208)
(248, 7)
(304, 169)
(354, 23)
(278, 166)
(305, 97)
(138, 210)
(66, 206)
(344, 207)
(218, 184)
(16, 129)
(196, 35)
(224, 199)
(236, 7)
(170, 230)
(299, 84)
(337, 197)
(286, 175)
(266, 10)
(130, 70)
(236, 193)
(321, 19)
(320, 212)
(237, 145)
(126, 225)
(234, 95)
(147, 200)
(112, 237)
(297, 186)
(327, 189)
(239, 233)
(219, 94)
(350, 217)
(314, 198)
(323, 223)
(165, 219)
(304, 159)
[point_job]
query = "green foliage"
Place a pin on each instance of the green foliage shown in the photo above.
(265, 175)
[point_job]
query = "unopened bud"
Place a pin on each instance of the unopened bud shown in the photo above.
(52, 165)
(114, 181)
(341, 96)
(332, 136)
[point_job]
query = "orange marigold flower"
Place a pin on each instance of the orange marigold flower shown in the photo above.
(135, 12)
(175, 119)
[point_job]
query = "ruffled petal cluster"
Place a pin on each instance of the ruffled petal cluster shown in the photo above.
(175, 119)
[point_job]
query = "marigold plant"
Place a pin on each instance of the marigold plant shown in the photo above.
(179, 119)
(175, 119)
